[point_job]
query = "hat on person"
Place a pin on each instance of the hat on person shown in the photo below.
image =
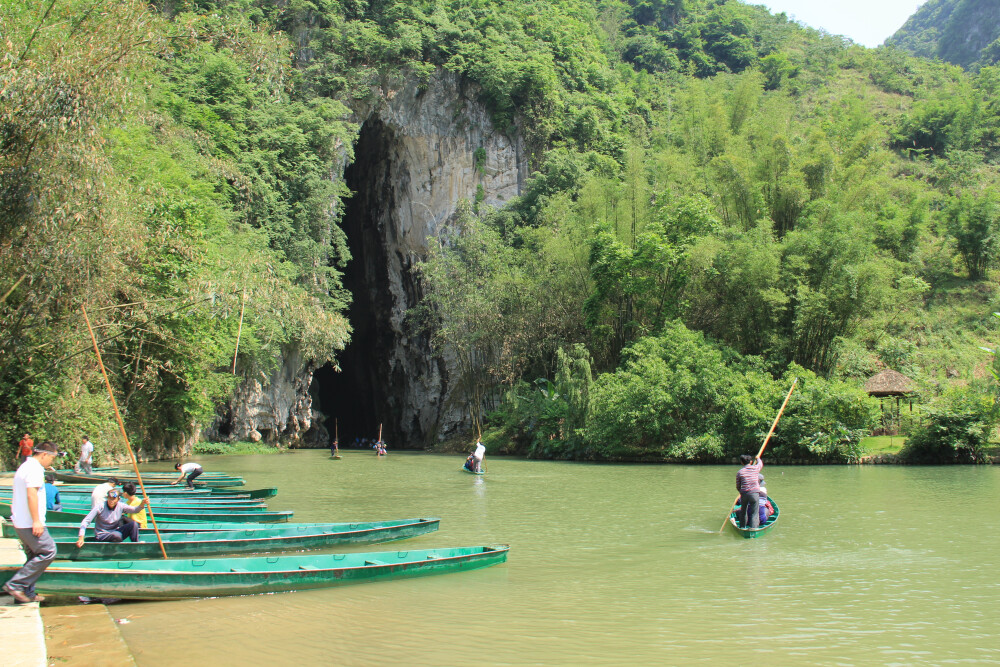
(763, 490)
(112, 494)
(47, 447)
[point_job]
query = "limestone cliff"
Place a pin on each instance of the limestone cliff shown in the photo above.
(422, 148)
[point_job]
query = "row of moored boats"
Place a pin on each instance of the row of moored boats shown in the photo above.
(206, 533)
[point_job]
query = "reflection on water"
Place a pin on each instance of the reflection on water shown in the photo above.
(618, 564)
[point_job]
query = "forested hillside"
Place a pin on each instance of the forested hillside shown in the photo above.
(962, 32)
(721, 200)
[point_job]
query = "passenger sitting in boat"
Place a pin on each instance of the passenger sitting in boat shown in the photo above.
(52, 500)
(749, 488)
(128, 493)
(110, 524)
(766, 509)
(470, 463)
(379, 448)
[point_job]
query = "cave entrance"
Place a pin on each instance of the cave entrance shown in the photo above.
(358, 396)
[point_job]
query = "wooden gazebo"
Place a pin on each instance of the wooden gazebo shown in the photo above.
(890, 384)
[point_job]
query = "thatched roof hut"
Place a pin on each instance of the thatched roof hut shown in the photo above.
(889, 383)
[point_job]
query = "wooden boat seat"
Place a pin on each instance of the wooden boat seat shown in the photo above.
(237, 569)
(308, 567)
(374, 562)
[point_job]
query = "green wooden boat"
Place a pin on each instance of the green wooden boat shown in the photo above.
(175, 578)
(152, 479)
(174, 515)
(74, 503)
(182, 491)
(61, 531)
(221, 543)
(751, 533)
(473, 472)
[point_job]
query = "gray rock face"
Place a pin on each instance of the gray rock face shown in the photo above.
(415, 161)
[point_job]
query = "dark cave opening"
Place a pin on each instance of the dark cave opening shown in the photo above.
(358, 397)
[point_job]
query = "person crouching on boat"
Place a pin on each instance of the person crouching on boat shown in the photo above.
(479, 455)
(110, 522)
(379, 448)
(749, 487)
(191, 469)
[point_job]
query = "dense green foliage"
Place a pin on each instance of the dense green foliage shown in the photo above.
(721, 200)
(963, 32)
(957, 430)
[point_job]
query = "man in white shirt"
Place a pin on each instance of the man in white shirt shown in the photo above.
(479, 455)
(86, 461)
(28, 516)
(191, 469)
(100, 492)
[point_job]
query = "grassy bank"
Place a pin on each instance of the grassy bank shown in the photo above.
(241, 448)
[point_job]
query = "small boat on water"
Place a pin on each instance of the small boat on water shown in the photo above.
(755, 532)
(473, 472)
(261, 540)
(175, 578)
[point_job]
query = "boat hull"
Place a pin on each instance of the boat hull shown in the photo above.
(175, 578)
(220, 543)
(205, 515)
(756, 532)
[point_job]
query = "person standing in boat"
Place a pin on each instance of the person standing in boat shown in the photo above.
(110, 522)
(749, 487)
(479, 455)
(86, 461)
(191, 469)
(27, 512)
(334, 448)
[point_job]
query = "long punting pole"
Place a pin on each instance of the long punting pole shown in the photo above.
(121, 425)
(239, 331)
(762, 447)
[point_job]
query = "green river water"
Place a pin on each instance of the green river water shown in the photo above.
(618, 565)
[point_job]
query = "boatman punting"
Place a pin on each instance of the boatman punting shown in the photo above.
(748, 484)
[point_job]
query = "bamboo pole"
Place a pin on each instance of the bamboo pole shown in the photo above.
(239, 331)
(121, 425)
(762, 447)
